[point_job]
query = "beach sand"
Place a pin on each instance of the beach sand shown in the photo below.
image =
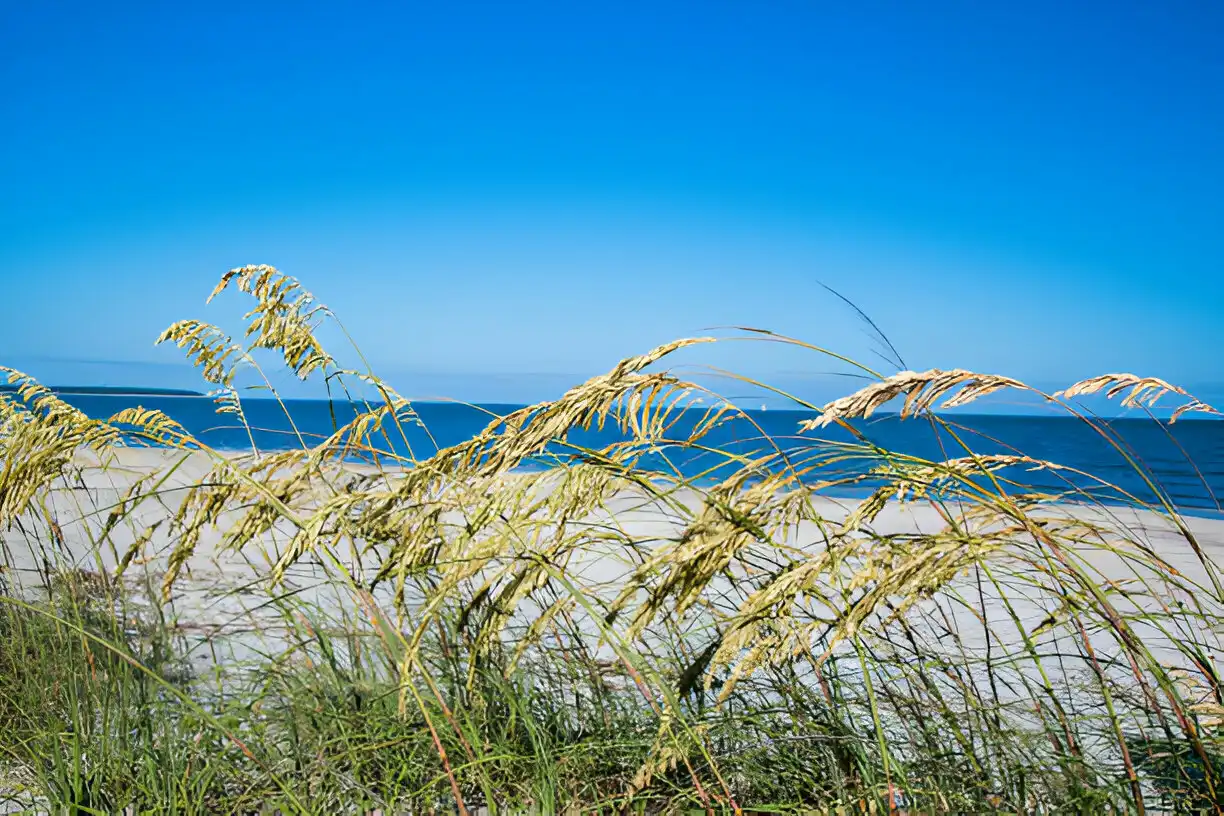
(221, 597)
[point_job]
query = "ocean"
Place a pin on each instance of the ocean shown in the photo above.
(1184, 461)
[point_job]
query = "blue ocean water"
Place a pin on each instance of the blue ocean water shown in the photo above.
(1184, 461)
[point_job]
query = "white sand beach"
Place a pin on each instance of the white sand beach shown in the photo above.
(224, 592)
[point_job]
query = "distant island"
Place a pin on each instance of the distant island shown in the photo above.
(111, 391)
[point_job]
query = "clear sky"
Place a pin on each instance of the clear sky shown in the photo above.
(502, 197)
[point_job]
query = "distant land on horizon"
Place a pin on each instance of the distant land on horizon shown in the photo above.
(502, 406)
(111, 390)
(119, 380)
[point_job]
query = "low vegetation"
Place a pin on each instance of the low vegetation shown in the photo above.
(510, 639)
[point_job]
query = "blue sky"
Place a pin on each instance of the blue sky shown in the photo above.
(500, 198)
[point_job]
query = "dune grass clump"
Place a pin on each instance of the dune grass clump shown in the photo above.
(448, 630)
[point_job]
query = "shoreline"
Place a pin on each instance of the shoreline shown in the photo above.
(147, 457)
(209, 592)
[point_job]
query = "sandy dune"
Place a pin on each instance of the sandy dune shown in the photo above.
(223, 593)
